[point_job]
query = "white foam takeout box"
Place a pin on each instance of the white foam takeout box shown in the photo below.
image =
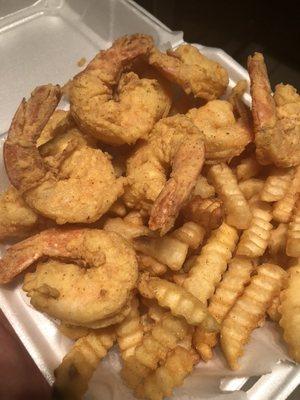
(40, 42)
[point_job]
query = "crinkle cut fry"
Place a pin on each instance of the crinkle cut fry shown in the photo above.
(290, 312)
(130, 331)
(248, 310)
(254, 240)
(293, 234)
(209, 266)
(164, 336)
(283, 209)
(179, 364)
(180, 302)
(74, 373)
(206, 212)
(229, 289)
(237, 209)
(276, 185)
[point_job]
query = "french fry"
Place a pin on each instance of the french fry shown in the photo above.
(237, 210)
(248, 310)
(273, 310)
(229, 289)
(203, 188)
(277, 240)
(167, 250)
(276, 184)
(251, 187)
(290, 312)
(283, 209)
(180, 302)
(254, 240)
(178, 365)
(77, 367)
(164, 336)
(190, 233)
(248, 168)
(293, 234)
(130, 332)
(206, 212)
(209, 266)
(149, 264)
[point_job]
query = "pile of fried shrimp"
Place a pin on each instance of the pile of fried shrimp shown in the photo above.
(159, 213)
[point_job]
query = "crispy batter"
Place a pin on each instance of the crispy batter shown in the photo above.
(138, 103)
(55, 287)
(276, 119)
(16, 218)
(173, 141)
(191, 70)
(224, 136)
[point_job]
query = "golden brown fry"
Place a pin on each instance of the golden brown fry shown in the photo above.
(203, 188)
(273, 310)
(180, 302)
(160, 384)
(163, 337)
(283, 209)
(254, 240)
(209, 266)
(125, 228)
(293, 234)
(74, 373)
(149, 264)
(190, 233)
(229, 289)
(290, 312)
(248, 168)
(167, 250)
(277, 184)
(237, 210)
(277, 240)
(248, 310)
(251, 187)
(129, 331)
(206, 212)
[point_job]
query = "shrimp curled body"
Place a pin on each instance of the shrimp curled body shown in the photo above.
(83, 295)
(80, 186)
(131, 112)
(176, 142)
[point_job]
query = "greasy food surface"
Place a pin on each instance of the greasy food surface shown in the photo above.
(160, 212)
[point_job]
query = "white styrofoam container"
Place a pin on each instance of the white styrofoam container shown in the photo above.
(40, 42)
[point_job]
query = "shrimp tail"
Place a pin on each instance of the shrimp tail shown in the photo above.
(263, 105)
(23, 162)
(187, 165)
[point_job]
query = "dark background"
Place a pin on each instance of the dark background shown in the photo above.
(240, 28)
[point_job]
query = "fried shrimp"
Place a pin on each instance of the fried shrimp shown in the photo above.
(16, 218)
(75, 184)
(225, 136)
(276, 118)
(196, 74)
(80, 295)
(176, 142)
(131, 112)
